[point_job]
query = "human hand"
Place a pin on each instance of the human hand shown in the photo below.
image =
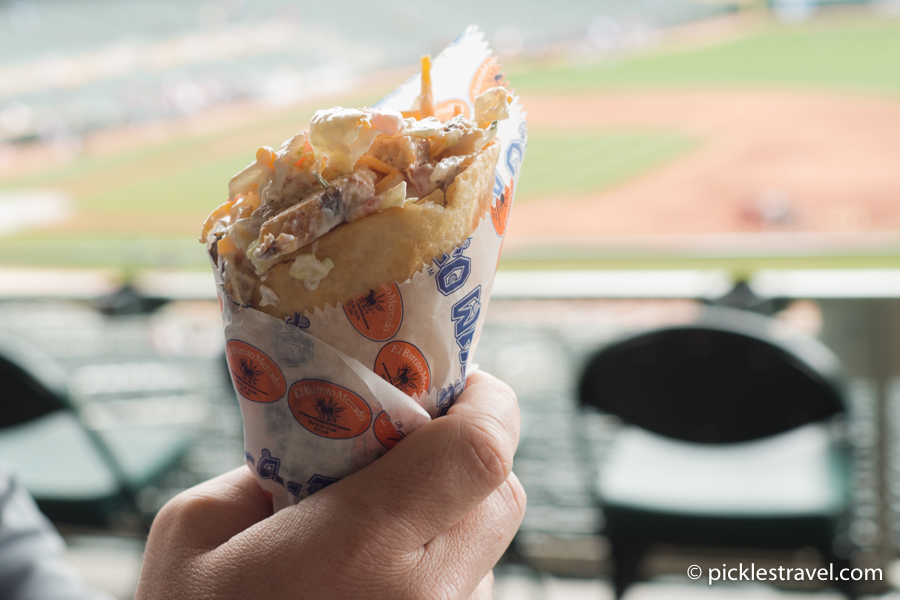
(428, 520)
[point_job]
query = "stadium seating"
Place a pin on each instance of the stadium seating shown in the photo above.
(729, 440)
(77, 475)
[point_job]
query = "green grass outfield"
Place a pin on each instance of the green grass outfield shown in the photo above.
(741, 266)
(185, 180)
(182, 180)
(861, 56)
(584, 162)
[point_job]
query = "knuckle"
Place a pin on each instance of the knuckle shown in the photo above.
(184, 513)
(515, 497)
(504, 403)
(489, 452)
(485, 589)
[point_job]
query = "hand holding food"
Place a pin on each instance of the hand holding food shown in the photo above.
(428, 520)
(355, 264)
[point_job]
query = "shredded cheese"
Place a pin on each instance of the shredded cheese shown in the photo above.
(266, 156)
(244, 205)
(371, 161)
(449, 139)
(226, 247)
(388, 182)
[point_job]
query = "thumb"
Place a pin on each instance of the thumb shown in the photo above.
(438, 474)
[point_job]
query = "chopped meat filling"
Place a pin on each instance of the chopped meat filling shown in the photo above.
(352, 163)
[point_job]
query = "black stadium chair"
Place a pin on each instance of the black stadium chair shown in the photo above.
(728, 440)
(76, 475)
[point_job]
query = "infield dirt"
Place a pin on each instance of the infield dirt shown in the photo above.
(815, 162)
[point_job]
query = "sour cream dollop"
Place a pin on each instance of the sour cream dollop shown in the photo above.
(342, 135)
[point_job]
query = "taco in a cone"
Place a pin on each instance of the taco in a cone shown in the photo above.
(363, 198)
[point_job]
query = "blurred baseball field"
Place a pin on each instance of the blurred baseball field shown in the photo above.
(620, 148)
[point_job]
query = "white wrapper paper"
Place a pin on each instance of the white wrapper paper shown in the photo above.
(324, 394)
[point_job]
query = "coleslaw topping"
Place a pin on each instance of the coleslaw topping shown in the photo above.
(350, 164)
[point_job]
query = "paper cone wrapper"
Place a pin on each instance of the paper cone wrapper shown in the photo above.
(324, 394)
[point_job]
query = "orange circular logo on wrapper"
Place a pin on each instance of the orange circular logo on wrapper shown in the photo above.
(487, 76)
(329, 410)
(377, 315)
(255, 376)
(403, 366)
(385, 432)
(500, 209)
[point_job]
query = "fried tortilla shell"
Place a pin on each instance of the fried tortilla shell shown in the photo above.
(392, 245)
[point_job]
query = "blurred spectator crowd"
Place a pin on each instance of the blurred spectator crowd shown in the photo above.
(69, 68)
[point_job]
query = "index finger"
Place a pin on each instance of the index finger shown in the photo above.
(438, 474)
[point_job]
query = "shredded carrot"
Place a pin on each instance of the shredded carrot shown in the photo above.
(371, 161)
(244, 205)
(414, 114)
(426, 106)
(214, 216)
(437, 148)
(302, 159)
(226, 246)
(388, 182)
